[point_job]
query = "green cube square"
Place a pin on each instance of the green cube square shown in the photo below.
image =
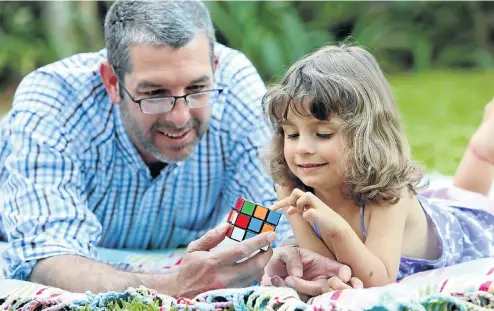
(248, 208)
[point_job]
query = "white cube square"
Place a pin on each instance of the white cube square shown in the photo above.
(238, 234)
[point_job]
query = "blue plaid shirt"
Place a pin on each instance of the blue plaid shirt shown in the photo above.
(71, 180)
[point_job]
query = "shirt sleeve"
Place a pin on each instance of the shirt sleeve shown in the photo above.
(43, 202)
(249, 134)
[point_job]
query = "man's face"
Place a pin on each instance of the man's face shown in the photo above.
(163, 71)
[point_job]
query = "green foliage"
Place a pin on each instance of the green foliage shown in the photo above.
(134, 304)
(414, 35)
(415, 41)
(33, 34)
(131, 304)
(403, 35)
(270, 33)
(23, 47)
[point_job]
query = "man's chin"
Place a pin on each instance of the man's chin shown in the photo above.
(177, 154)
(171, 152)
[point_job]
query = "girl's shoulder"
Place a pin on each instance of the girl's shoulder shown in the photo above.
(407, 203)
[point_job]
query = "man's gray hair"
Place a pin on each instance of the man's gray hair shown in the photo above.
(161, 22)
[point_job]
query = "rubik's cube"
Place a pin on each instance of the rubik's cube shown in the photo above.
(248, 219)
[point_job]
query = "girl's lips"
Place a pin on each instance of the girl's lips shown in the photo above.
(310, 168)
(310, 165)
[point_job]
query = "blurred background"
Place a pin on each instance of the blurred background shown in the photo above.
(438, 56)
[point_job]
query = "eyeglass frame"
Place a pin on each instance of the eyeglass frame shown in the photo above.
(175, 98)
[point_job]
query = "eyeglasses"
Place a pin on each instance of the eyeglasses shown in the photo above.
(163, 104)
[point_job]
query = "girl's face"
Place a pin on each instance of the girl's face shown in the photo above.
(313, 151)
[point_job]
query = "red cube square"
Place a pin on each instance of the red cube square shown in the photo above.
(239, 204)
(242, 221)
(229, 233)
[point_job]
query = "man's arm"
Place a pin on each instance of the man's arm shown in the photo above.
(78, 274)
(52, 233)
(201, 270)
(44, 205)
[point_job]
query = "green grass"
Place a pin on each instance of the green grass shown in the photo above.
(440, 111)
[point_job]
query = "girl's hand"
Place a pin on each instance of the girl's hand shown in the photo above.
(335, 283)
(311, 208)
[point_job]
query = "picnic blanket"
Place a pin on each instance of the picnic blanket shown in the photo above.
(466, 286)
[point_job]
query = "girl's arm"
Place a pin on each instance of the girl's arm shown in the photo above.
(304, 232)
(377, 261)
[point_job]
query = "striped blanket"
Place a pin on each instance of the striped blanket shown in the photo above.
(467, 286)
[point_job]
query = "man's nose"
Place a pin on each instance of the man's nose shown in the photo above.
(180, 113)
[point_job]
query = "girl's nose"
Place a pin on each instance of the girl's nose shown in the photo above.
(304, 146)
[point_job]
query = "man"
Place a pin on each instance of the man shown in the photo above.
(140, 146)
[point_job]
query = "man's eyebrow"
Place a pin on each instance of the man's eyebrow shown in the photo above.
(148, 84)
(286, 122)
(203, 78)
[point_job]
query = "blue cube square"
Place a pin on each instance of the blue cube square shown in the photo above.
(255, 225)
(249, 234)
(273, 217)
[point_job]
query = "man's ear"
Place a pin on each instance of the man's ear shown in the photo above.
(110, 81)
(215, 63)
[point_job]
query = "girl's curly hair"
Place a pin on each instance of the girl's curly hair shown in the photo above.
(346, 81)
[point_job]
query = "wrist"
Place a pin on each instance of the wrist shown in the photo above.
(340, 230)
(165, 284)
(292, 242)
(336, 228)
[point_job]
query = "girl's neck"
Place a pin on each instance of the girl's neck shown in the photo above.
(334, 198)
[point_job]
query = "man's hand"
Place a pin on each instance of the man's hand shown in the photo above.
(308, 273)
(202, 270)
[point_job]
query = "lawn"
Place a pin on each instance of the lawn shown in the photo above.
(440, 110)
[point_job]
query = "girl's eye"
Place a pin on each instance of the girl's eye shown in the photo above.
(291, 136)
(325, 136)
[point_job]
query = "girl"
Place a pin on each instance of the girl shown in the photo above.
(348, 185)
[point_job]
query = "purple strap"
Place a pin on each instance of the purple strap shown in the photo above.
(362, 223)
(362, 219)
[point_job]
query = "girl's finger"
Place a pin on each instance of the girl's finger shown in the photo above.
(288, 201)
(291, 210)
(356, 283)
(311, 288)
(304, 202)
(309, 215)
(335, 283)
(282, 203)
(277, 281)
